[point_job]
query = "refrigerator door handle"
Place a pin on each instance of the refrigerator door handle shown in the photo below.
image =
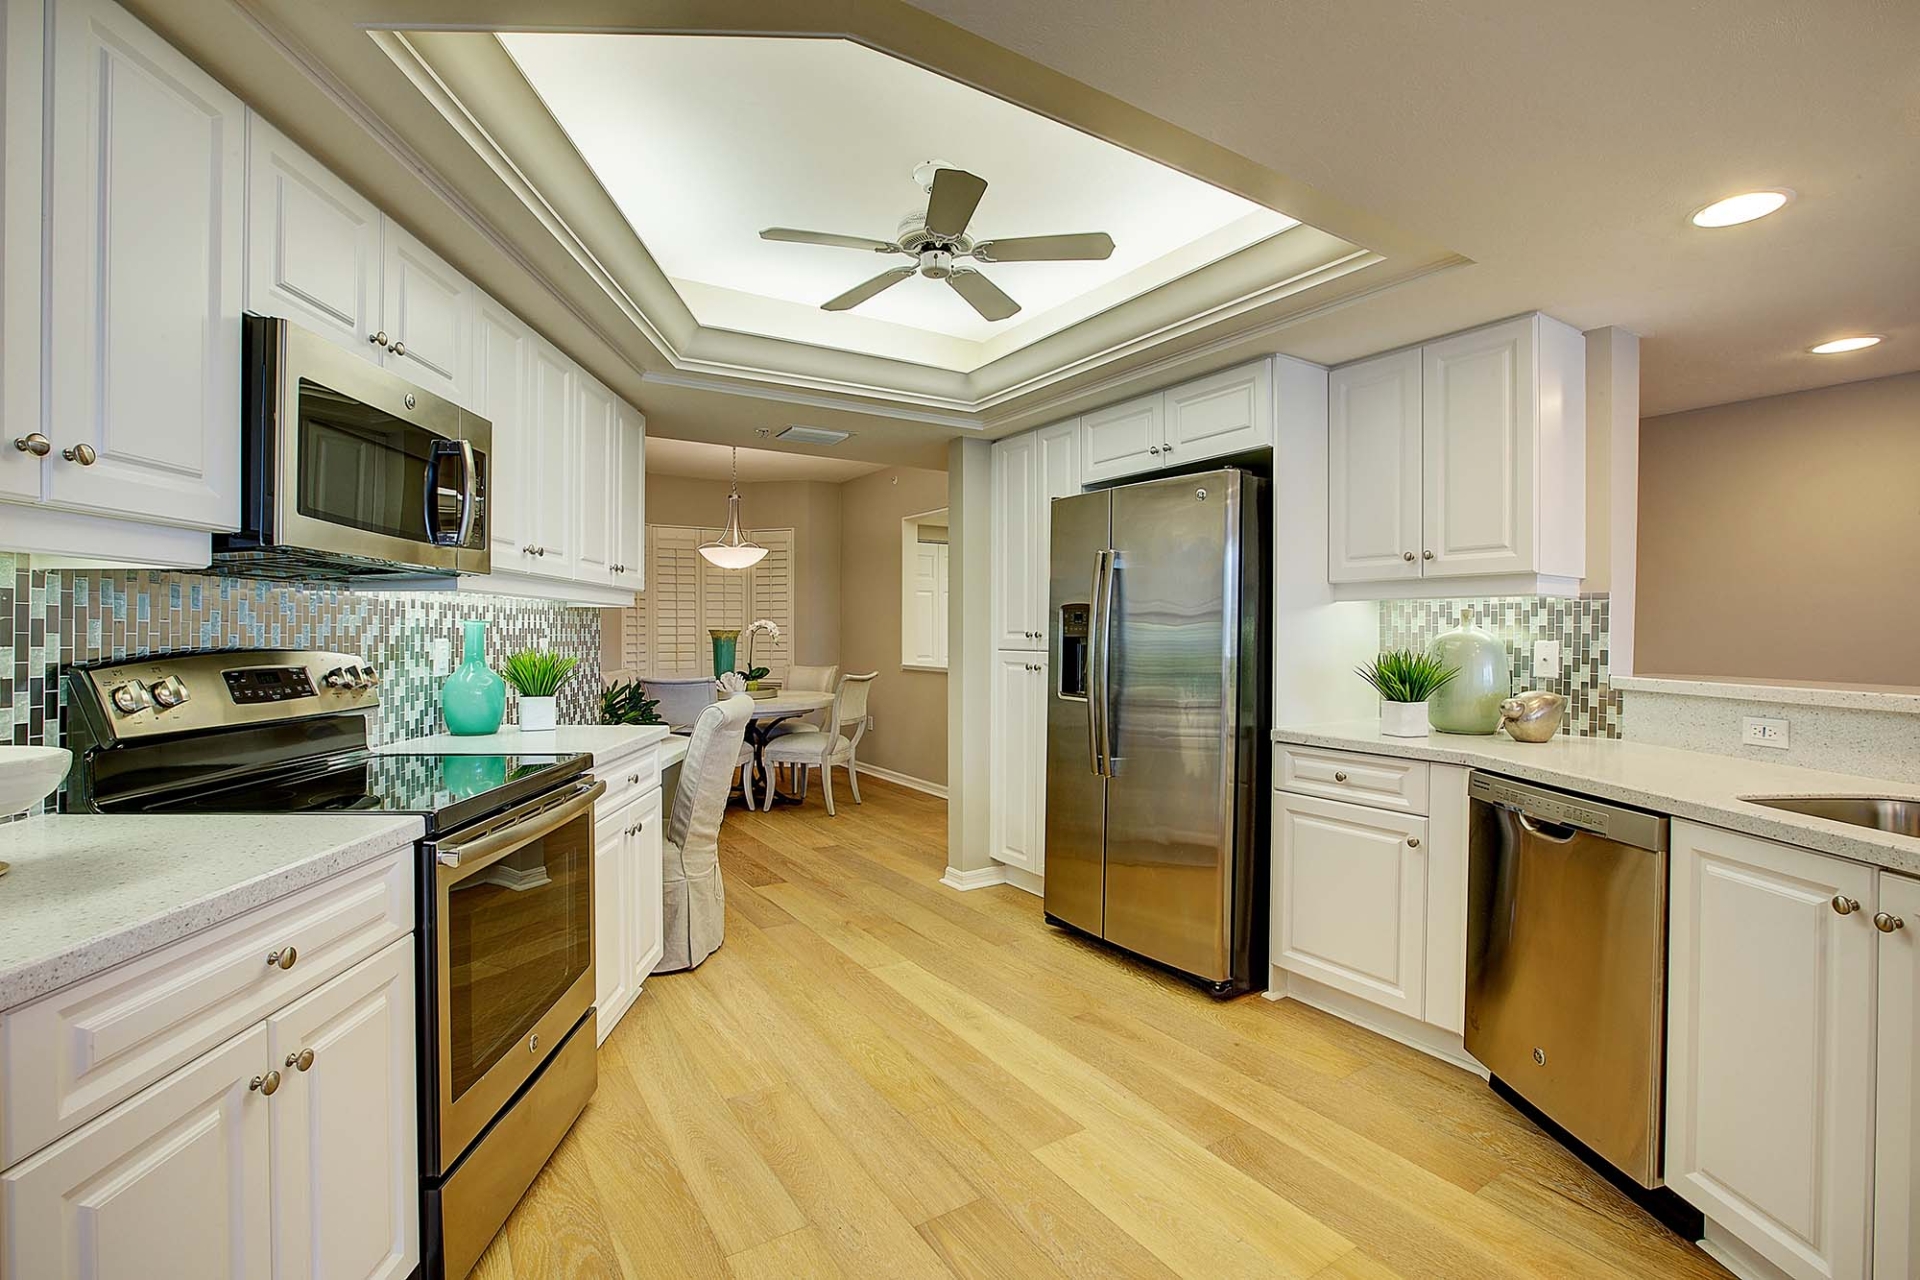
(1099, 725)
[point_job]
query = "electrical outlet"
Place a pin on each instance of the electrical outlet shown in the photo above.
(1546, 659)
(1760, 731)
(442, 655)
(869, 724)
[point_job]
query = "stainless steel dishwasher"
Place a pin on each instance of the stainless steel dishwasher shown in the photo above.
(1566, 962)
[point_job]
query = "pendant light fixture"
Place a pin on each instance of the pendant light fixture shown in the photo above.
(732, 550)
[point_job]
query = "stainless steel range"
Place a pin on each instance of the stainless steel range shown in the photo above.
(504, 885)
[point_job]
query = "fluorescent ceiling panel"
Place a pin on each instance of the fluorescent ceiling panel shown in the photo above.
(701, 141)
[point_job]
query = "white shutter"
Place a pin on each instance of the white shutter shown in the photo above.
(666, 633)
(772, 597)
(676, 638)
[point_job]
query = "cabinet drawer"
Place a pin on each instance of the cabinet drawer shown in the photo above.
(69, 1056)
(627, 777)
(1381, 781)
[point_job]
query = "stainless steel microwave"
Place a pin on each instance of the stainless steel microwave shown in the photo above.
(349, 471)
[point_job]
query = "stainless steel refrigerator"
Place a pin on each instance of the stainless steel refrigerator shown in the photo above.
(1156, 722)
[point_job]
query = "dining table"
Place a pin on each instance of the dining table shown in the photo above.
(767, 715)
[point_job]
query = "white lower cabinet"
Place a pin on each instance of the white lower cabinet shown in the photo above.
(644, 920)
(1896, 1178)
(627, 906)
(1017, 822)
(1770, 1048)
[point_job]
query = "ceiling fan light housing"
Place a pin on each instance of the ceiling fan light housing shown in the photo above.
(936, 264)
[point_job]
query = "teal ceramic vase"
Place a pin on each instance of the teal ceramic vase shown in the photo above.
(1470, 702)
(474, 698)
(726, 643)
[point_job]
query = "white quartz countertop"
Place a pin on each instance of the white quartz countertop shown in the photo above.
(1687, 784)
(90, 891)
(605, 742)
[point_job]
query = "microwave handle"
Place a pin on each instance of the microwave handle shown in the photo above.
(469, 491)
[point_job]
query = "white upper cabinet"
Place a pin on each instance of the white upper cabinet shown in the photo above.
(427, 313)
(498, 393)
(1476, 443)
(147, 165)
(1896, 1185)
(550, 437)
(1018, 555)
(1122, 439)
(313, 244)
(598, 475)
(1229, 412)
(1770, 1058)
(630, 498)
(1373, 469)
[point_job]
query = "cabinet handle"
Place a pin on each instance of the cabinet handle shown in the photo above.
(1339, 775)
(34, 443)
(300, 1061)
(267, 1085)
(378, 339)
(283, 958)
(1406, 555)
(1426, 555)
(398, 348)
(1844, 905)
(80, 453)
(1413, 842)
(1888, 923)
(1166, 448)
(634, 778)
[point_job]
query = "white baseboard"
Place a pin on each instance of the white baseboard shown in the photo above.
(979, 878)
(1737, 1255)
(1415, 1034)
(1026, 880)
(904, 780)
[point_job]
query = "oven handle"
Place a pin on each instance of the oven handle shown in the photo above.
(469, 856)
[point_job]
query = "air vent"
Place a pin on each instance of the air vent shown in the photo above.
(811, 435)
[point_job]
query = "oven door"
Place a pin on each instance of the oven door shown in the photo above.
(512, 936)
(370, 466)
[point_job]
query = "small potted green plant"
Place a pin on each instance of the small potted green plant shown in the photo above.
(537, 678)
(626, 702)
(1404, 680)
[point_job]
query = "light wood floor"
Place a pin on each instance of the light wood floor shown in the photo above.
(877, 1076)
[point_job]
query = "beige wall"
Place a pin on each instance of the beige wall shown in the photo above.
(909, 707)
(1778, 537)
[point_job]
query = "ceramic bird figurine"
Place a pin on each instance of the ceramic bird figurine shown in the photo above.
(1533, 716)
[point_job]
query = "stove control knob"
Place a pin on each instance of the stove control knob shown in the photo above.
(169, 693)
(372, 676)
(131, 697)
(338, 678)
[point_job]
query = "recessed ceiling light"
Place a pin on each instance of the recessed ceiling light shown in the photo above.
(1839, 345)
(1741, 208)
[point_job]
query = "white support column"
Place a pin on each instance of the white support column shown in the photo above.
(969, 661)
(1613, 481)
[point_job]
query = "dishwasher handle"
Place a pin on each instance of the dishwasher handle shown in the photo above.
(1558, 833)
(1558, 816)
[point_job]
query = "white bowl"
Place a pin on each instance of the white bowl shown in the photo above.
(29, 775)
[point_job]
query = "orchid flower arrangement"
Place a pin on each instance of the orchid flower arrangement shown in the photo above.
(769, 628)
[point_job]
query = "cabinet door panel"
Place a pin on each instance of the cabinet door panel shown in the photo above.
(1349, 899)
(170, 1185)
(596, 483)
(1122, 440)
(499, 391)
(644, 914)
(346, 1185)
(1479, 415)
(313, 244)
(1229, 412)
(1896, 1183)
(427, 312)
(630, 500)
(1373, 470)
(1057, 463)
(1769, 1047)
(551, 455)
(148, 172)
(612, 907)
(1016, 551)
(1016, 709)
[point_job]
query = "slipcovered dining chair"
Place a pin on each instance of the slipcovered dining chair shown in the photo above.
(695, 903)
(681, 698)
(822, 749)
(805, 680)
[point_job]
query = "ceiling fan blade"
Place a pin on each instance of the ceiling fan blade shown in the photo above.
(982, 294)
(861, 292)
(1089, 246)
(829, 239)
(956, 193)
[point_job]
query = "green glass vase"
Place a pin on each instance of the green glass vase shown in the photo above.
(726, 643)
(473, 701)
(1470, 702)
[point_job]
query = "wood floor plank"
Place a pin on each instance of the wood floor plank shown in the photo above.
(559, 1228)
(978, 1242)
(798, 1255)
(1629, 1233)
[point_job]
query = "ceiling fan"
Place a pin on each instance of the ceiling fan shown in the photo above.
(937, 238)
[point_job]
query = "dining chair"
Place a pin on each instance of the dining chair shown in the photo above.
(694, 900)
(822, 749)
(681, 698)
(806, 680)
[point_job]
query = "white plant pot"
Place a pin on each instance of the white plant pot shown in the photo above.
(1403, 719)
(537, 714)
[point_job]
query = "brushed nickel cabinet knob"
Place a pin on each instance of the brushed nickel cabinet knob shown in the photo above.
(300, 1061)
(1413, 842)
(80, 453)
(283, 958)
(378, 339)
(1888, 923)
(1426, 555)
(1339, 775)
(266, 1085)
(1844, 905)
(398, 348)
(1406, 555)
(34, 443)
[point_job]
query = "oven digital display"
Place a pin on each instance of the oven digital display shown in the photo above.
(268, 684)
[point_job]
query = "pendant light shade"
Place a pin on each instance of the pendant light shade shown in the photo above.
(732, 550)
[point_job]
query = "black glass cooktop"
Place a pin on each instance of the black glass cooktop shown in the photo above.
(448, 791)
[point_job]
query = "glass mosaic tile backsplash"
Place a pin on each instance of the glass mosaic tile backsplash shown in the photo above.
(1580, 625)
(49, 618)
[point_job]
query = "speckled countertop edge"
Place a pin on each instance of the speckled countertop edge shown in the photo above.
(49, 937)
(1687, 784)
(605, 742)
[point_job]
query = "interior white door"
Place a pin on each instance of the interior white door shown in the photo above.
(597, 483)
(644, 913)
(313, 244)
(1016, 482)
(1770, 1047)
(346, 1188)
(612, 911)
(186, 1161)
(1123, 439)
(1479, 426)
(923, 623)
(1349, 899)
(1223, 413)
(427, 313)
(147, 164)
(499, 391)
(1014, 830)
(630, 503)
(1373, 469)
(1896, 1181)
(550, 459)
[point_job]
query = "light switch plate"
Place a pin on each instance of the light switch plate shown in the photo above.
(1761, 731)
(1546, 659)
(442, 655)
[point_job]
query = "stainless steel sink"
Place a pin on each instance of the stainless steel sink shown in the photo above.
(1882, 813)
